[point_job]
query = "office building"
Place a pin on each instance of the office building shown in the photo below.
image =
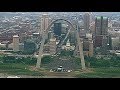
(88, 47)
(101, 32)
(15, 43)
(68, 46)
(57, 29)
(86, 19)
(101, 25)
(116, 43)
(44, 23)
(87, 44)
(52, 46)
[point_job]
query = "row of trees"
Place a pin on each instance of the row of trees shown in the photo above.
(102, 62)
(23, 60)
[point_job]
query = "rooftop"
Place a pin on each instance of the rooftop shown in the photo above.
(104, 17)
(15, 36)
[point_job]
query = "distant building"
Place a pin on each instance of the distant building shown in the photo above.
(87, 44)
(57, 28)
(51, 35)
(52, 45)
(46, 49)
(44, 23)
(4, 44)
(23, 37)
(82, 33)
(21, 46)
(101, 41)
(86, 19)
(101, 38)
(64, 28)
(101, 25)
(92, 28)
(15, 43)
(88, 47)
(10, 46)
(116, 43)
(68, 46)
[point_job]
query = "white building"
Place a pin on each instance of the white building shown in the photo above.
(15, 43)
(89, 35)
(68, 46)
(2, 45)
(116, 43)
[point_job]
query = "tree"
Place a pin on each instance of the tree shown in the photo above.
(29, 47)
(46, 59)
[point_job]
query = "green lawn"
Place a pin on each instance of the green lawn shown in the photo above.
(18, 69)
(101, 73)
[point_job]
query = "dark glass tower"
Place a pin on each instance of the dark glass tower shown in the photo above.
(101, 25)
(101, 32)
(57, 28)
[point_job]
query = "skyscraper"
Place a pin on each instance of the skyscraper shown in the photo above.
(88, 46)
(15, 43)
(101, 31)
(104, 26)
(101, 25)
(86, 19)
(52, 45)
(57, 28)
(44, 22)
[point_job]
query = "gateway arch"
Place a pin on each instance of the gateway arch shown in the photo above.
(44, 37)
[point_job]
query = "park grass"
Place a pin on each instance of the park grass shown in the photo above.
(18, 69)
(112, 72)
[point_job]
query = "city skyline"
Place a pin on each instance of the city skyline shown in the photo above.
(59, 43)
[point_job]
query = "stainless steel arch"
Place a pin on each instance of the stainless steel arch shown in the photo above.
(44, 36)
(60, 20)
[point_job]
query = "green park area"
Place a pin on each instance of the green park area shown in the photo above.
(95, 68)
(113, 72)
(102, 68)
(18, 66)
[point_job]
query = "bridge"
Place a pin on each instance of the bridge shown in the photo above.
(44, 37)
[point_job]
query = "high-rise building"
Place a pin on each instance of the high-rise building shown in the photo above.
(104, 26)
(86, 19)
(98, 26)
(101, 32)
(101, 25)
(88, 46)
(52, 45)
(44, 23)
(116, 43)
(15, 43)
(57, 28)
